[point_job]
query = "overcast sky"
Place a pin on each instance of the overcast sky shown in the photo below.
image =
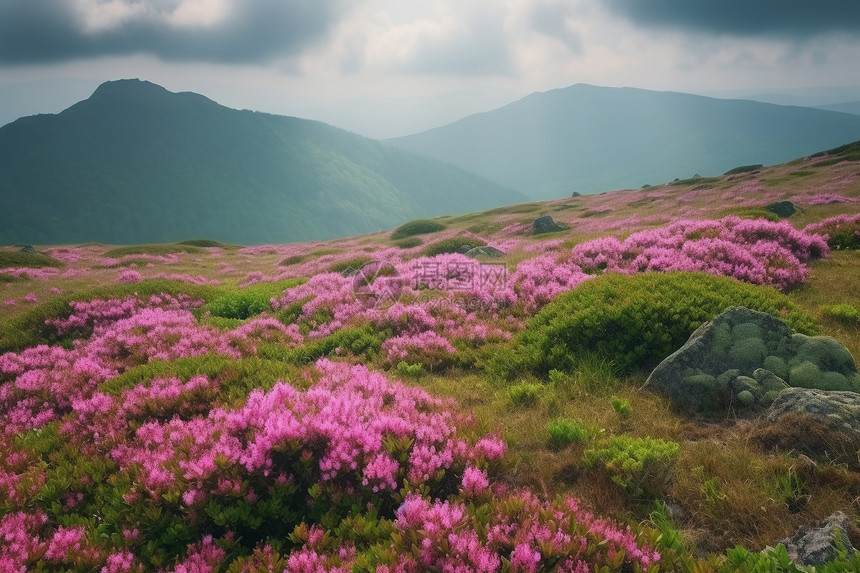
(391, 67)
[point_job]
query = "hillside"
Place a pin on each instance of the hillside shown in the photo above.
(136, 163)
(265, 408)
(589, 139)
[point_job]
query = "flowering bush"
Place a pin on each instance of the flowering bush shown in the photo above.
(755, 251)
(840, 232)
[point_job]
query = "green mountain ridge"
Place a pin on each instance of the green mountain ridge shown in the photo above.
(136, 163)
(589, 139)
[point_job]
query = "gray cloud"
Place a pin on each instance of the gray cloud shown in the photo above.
(481, 48)
(799, 19)
(551, 20)
(52, 31)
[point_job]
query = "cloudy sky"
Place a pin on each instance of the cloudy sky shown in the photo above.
(387, 68)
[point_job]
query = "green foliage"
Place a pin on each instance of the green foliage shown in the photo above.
(361, 341)
(19, 259)
(408, 243)
(417, 227)
(293, 260)
(844, 313)
(744, 169)
(452, 245)
(622, 407)
(754, 213)
(696, 180)
(635, 321)
(410, 370)
(207, 243)
(639, 465)
(525, 394)
(354, 263)
(155, 249)
(563, 432)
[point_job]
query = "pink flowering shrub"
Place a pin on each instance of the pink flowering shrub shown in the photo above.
(755, 251)
(840, 232)
(129, 276)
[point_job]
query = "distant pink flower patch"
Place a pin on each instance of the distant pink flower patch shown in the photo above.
(31, 298)
(10, 302)
(129, 276)
(56, 290)
(186, 278)
(828, 199)
(67, 255)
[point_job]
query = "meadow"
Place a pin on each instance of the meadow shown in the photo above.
(386, 403)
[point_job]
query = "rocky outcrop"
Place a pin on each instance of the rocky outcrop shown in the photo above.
(545, 224)
(783, 209)
(745, 358)
(816, 545)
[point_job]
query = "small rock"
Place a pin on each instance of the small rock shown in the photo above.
(816, 545)
(465, 248)
(28, 249)
(545, 224)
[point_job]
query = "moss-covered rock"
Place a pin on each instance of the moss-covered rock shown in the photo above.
(745, 358)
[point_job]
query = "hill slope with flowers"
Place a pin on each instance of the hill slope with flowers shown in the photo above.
(384, 402)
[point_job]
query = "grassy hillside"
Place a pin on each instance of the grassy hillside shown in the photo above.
(136, 163)
(359, 403)
(589, 139)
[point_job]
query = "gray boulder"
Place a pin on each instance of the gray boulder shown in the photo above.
(489, 252)
(816, 545)
(545, 224)
(28, 249)
(745, 358)
(838, 409)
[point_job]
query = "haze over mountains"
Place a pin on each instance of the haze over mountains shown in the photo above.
(136, 163)
(589, 139)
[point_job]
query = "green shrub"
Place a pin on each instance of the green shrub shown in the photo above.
(206, 243)
(354, 263)
(744, 169)
(452, 245)
(154, 249)
(293, 260)
(844, 313)
(410, 370)
(417, 227)
(635, 321)
(408, 243)
(525, 394)
(754, 213)
(622, 407)
(639, 465)
(563, 432)
(18, 259)
(243, 303)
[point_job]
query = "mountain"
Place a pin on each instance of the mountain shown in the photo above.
(136, 163)
(588, 139)
(852, 107)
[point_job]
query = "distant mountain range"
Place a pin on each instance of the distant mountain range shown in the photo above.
(136, 163)
(589, 139)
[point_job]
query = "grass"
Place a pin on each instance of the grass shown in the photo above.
(417, 227)
(19, 259)
(154, 249)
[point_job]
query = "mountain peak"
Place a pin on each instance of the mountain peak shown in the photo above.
(128, 87)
